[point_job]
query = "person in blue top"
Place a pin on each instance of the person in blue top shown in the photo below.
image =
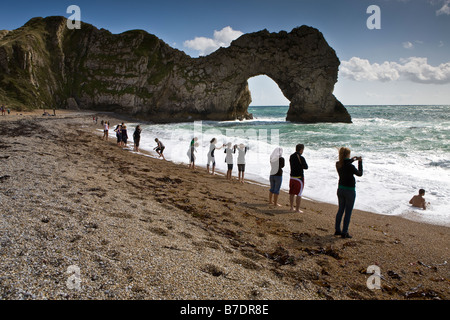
(346, 190)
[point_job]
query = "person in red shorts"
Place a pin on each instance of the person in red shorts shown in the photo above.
(297, 181)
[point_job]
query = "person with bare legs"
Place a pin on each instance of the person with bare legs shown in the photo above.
(297, 181)
(229, 151)
(191, 153)
(242, 151)
(106, 131)
(211, 158)
(159, 148)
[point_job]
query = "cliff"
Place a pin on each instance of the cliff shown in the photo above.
(44, 64)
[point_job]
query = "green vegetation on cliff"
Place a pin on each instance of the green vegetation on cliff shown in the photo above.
(43, 63)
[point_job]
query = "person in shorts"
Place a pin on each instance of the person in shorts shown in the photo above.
(242, 151)
(160, 148)
(297, 181)
(229, 151)
(106, 131)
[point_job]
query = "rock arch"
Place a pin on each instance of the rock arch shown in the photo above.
(301, 63)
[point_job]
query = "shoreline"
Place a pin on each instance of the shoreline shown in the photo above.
(144, 228)
(412, 214)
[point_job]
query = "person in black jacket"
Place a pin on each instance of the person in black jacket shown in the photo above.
(297, 180)
(346, 190)
(137, 137)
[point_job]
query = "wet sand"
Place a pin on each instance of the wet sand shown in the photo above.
(138, 227)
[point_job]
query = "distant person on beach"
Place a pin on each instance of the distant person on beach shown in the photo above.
(160, 148)
(346, 190)
(229, 151)
(106, 131)
(118, 131)
(242, 151)
(297, 180)
(3, 110)
(211, 158)
(124, 136)
(418, 201)
(137, 137)
(191, 153)
(276, 175)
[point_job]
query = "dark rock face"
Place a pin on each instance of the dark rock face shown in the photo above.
(46, 64)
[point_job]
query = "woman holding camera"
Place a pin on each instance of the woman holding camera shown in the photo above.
(346, 190)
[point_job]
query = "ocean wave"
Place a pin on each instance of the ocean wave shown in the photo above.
(441, 164)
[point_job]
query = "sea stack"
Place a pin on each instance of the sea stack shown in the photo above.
(45, 64)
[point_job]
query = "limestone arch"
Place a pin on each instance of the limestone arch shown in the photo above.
(301, 63)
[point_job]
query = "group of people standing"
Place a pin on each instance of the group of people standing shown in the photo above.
(346, 191)
(122, 134)
(3, 109)
(229, 151)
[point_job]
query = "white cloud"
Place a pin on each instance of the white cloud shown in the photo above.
(445, 9)
(414, 69)
(222, 38)
(407, 45)
(361, 69)
(418, 70)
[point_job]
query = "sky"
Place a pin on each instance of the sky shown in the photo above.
(395, 53)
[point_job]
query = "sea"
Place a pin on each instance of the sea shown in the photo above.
(404, 148)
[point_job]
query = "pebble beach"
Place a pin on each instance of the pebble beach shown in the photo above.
(83, 219)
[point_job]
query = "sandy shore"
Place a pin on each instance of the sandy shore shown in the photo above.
(121, 225)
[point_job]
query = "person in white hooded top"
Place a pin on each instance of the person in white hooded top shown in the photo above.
(229, 151)
(242, 151)
(276, 175)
